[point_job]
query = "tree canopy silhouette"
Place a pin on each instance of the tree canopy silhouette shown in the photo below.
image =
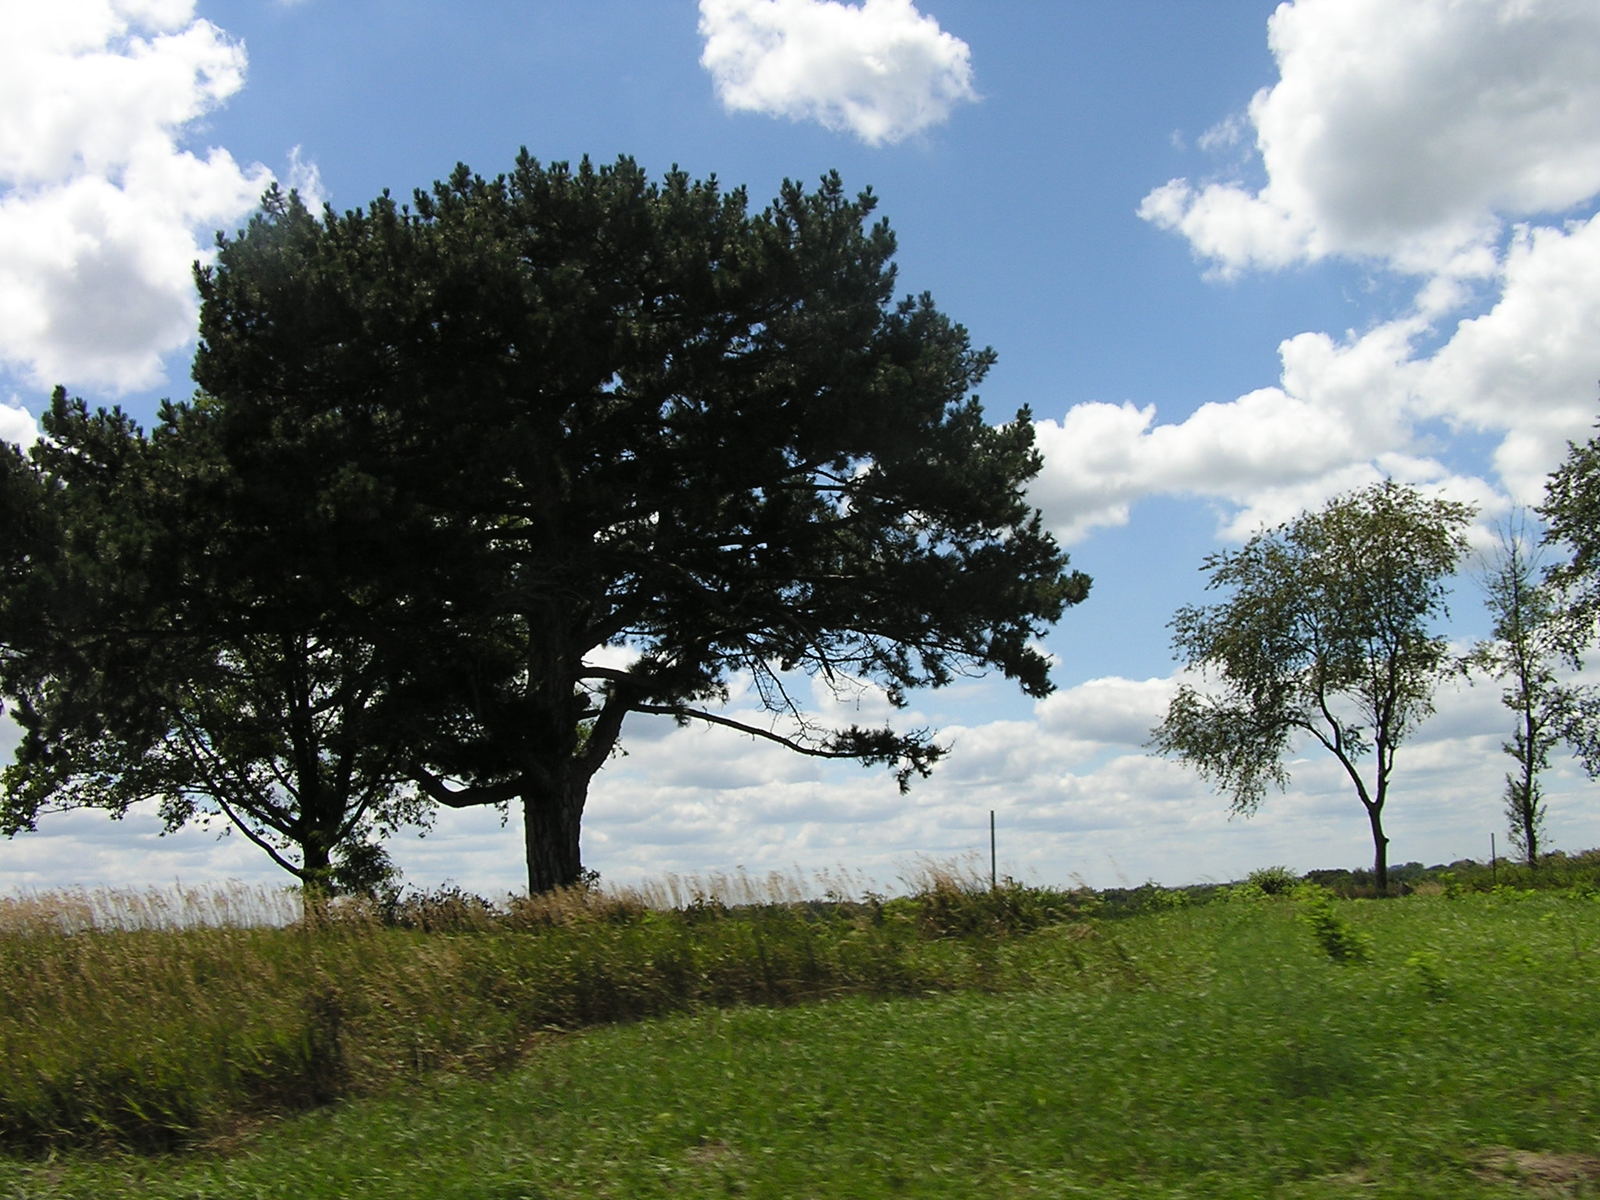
(569, 446)
(147, 656)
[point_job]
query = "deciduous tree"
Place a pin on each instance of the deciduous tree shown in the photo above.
(1571, 511)
(1326, 633)
(151, 654)
(1529, 641)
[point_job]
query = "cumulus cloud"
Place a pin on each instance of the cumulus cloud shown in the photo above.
(1527, 367)
(880, 70)
(101, 207)
(1111, 711)
(18, 427)
(1324, 428)
(1075, 794)
(1453, 149)
(1351, 410)
(1405, 133)
(1076, 798)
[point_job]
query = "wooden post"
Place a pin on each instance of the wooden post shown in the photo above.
(994, 878)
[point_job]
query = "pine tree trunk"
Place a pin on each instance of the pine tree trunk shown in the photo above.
(316, 884)
(551, 820)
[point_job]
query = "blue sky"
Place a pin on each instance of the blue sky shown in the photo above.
(1235, 257)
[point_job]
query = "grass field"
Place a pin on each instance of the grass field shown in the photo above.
(1441, 1045)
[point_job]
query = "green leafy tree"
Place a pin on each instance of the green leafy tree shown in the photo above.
(1326, 633)
(1530, 639)
(151, 654)
(1571, 512)
(649, 439)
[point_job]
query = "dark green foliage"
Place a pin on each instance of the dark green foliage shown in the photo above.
(1339, 940)
(27, 549)
(151, 653)
(1571, 511)
(1273, 881)
(1326, 634)
(566, 410)
(468, 484)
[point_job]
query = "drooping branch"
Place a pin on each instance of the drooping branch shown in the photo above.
(914, 750)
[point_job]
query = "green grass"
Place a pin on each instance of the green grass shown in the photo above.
(1203, 1051)
(153, 1038)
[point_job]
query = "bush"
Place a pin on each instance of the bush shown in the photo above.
(952, 905)
(1273, 881)
(1340, 941)
(1152, 897)
(446, 909)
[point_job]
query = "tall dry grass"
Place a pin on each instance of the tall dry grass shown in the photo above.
(145, 1020)
(81, 910)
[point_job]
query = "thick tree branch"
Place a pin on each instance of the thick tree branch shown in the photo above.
(437, 790)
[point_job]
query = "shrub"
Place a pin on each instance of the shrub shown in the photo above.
(1243, 892)
(1340, 941)
(1152, 897)
(951, 903)
(1424, 965)
(1273, 881)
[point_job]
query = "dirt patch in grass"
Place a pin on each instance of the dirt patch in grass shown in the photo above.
(1548, 1174)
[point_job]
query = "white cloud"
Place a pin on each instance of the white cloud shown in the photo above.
(1447, 147)
(1074, 793)
(1349, 410)
(1405, 133)
(102, 210)
(1226, 223)
(1527, 368)
(1225, 134)
(881, 70)
(304, 175)
(18, 427)
(1111, 711)
(1318, 433)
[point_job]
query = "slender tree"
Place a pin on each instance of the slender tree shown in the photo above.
(1530, 639)
(1326, 634)
(650, 440)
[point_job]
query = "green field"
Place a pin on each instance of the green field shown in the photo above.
(1441, 1045)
